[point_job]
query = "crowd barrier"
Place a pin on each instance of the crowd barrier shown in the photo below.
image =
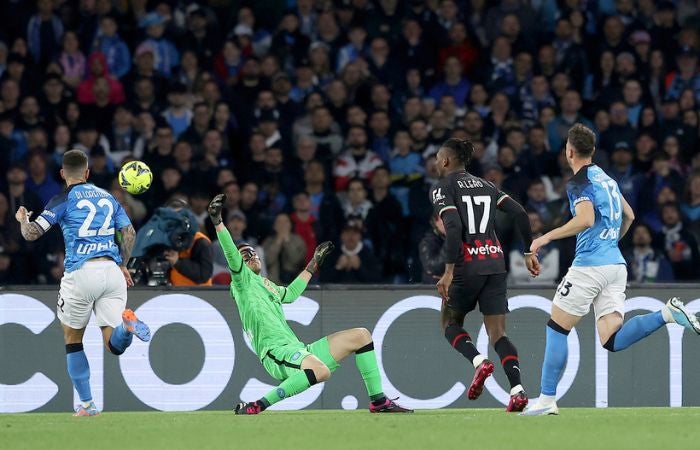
(199, 357)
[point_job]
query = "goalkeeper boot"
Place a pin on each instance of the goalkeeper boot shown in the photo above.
(389, 406)
(248, 408)
(482, 372)
(82, 411)
(133, 325)
(682, 316)
(518, 402)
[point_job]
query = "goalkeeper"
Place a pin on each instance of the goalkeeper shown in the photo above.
(296, 365)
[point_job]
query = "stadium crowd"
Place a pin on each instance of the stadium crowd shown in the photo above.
(320, 120)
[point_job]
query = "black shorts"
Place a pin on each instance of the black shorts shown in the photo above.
(488, 290)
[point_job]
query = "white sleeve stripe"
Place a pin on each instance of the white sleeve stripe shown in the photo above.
(447, 208)
(502, 198)
(43, 223)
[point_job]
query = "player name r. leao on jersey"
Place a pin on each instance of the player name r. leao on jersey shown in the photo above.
(470, 184)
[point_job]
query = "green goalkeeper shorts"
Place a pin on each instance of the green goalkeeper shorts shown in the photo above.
(281, 362)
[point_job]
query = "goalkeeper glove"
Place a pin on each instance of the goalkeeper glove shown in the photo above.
(322, 251)
(215, 207)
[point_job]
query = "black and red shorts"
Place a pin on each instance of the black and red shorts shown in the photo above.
(489, 291)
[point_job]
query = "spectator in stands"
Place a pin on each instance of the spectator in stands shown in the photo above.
(680, 245)
(108, 42)
(178, 114)
(687, 76)
(570, 114)
(44, 32)
(40, 180)
(622, 170)
(454, 84)
(72, 60)
(619, 130)
(384, 225)
(547, 255)
(646, 263)
(353, 262)
(357, 161)
(325, 206)
(285, 251)
(166, 56)
(98, 70)
(691, 205)
(160, 154)
(357, 205)
(305, 224)
(100, 174)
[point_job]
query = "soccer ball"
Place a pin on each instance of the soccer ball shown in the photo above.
(135, 177)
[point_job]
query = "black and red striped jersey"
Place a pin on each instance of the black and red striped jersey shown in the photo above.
(475, 201)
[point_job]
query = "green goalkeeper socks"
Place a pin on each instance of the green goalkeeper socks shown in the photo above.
(297, 383)
(367, 364)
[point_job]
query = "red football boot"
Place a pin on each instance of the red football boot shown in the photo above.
(482, 372)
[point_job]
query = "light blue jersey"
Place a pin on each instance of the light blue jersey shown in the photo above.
(597, 246)
(88, 217)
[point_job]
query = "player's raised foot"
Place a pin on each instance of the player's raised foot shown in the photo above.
(388, 406)
(541, 410)
(517, 402)
(682, 316)
(135, 326)
(248, 408)
(481, 373)
(90, 410)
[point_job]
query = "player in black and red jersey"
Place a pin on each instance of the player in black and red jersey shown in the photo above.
(475, 269)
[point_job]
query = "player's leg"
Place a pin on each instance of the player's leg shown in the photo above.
(298, 370)
(572, 301)
(609, 307)
(337, 346)
(73, 310)
(118, 325)
(462, 299)
(493, 303)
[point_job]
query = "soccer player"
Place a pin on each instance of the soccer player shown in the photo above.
(598, 274)
(475, 261)
(296, 365)
(95, 275)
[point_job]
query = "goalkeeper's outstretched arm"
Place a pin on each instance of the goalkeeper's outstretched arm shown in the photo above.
(233, 256)
(299, 284)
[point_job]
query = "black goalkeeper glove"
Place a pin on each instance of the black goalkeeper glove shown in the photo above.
(322, 251)
(215, 208)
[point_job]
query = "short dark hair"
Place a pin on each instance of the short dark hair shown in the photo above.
(75, 161)
(463, 149)
(582, 139)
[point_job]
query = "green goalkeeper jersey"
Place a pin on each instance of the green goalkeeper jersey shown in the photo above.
(259, 301)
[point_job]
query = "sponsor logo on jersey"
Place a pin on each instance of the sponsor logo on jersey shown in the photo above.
(488, 249)
(296, 356)
(438, 197)
(86, 249)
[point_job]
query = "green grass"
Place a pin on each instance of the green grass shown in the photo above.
(477, 429)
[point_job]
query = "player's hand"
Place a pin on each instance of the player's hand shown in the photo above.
(538, 243)
(127, 276)
(23, 215)
(532, 264)
(320, 254)
(171, 256)
(443, 286)
(215, 207)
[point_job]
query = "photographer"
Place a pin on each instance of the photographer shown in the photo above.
(193, 266)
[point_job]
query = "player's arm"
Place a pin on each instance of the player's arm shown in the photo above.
(583, 220)
(127, 237)
(296, 287)
(233, 256)
(31, 231)
(52, 214)
(522, 222)
(627, 217)
(444, 206)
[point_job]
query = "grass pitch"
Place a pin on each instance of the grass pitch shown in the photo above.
(576, 428)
